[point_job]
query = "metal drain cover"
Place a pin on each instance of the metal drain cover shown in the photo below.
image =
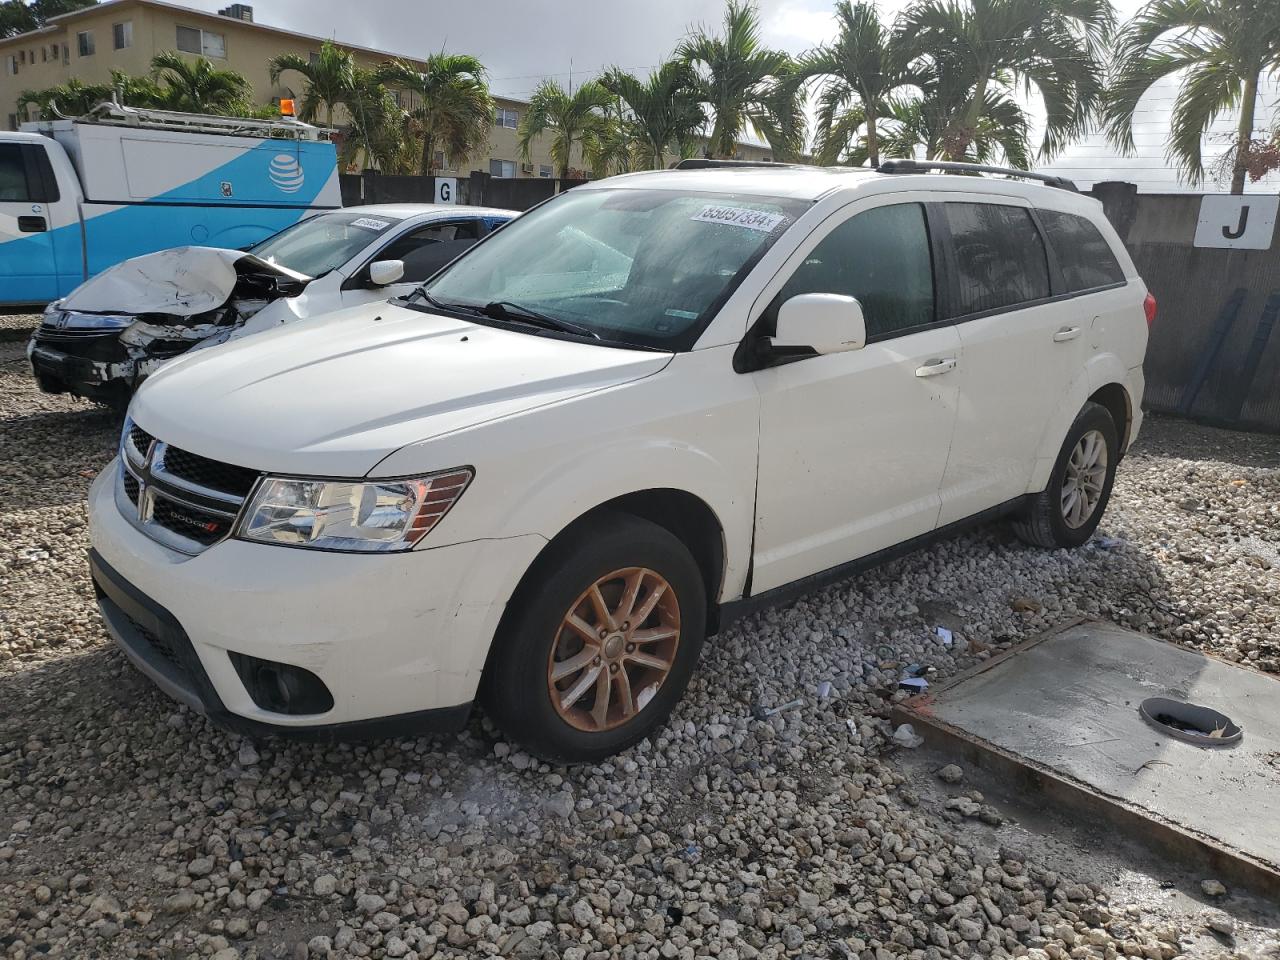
(1203, 726)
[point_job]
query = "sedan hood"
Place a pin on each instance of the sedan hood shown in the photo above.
(336, 395)
(181, 282)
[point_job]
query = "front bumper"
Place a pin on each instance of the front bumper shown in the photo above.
(398, 640)
(57, 371)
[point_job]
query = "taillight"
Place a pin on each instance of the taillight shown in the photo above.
(1149, 305)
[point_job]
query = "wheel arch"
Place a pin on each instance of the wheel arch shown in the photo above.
(1101, 381)
(1114, 398)
(685, 515)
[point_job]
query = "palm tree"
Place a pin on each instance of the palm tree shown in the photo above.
(1224, 46)
(615, 145)
(861, 71)
(455, 109)
(745, 84)
(330, 79)
(1052, 46)
(920, 123)
(197, 86)
(136, 91)
(378, 126)
(71, 99)
(573, 118)
(665, 110)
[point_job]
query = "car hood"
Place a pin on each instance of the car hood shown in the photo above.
(181, 282)
(336, 395)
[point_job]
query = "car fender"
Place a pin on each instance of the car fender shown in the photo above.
(570, 489)
(539, 471)
(1100, 370)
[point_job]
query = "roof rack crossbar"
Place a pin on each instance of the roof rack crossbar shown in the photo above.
(949, 166)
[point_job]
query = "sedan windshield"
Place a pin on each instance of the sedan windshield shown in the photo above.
(322, 243)
(648, 267)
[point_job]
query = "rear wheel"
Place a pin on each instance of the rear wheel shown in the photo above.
(1067, 512)
(600, 643)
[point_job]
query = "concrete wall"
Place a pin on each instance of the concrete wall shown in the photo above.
(1215, 351)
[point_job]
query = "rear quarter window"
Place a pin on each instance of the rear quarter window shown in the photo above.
(998, 257)
(1083, 253)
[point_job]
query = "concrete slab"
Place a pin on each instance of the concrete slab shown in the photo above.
(1060, 714)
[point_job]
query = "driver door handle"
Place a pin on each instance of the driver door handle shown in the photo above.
(1065, 334)
(935, 368)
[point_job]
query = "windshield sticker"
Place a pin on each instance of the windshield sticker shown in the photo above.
(739, 217)
(681, 314)
(368, 223)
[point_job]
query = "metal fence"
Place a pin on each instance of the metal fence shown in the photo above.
(479, 189)
(1214, 353)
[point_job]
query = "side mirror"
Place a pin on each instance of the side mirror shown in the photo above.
(383, 273)
(821, 322)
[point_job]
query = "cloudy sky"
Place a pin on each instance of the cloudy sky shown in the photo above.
(522, 42)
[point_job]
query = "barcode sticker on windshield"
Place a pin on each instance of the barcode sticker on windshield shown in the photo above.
(368, 223)
(739, 217)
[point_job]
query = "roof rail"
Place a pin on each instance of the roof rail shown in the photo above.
(705, 163)
(948, 166)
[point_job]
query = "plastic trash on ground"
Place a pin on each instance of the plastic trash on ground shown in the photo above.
(905, 736)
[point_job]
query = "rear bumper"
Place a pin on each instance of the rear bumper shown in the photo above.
(1135, 385)
(155, 642)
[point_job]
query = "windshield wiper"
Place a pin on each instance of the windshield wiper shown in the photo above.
(438, 303)
(513, 312)
(504, 311)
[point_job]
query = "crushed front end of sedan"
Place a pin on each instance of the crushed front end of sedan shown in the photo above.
(111, 333)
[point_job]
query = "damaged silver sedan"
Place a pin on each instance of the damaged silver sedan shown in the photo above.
(112, 332)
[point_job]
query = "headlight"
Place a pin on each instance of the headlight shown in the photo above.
(378, 516)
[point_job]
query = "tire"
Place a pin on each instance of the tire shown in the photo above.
(610, 552)
(1053, 518)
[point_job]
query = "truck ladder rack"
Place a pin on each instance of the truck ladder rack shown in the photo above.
(113, 114)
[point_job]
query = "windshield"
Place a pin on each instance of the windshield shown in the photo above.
(649, 267)
(322, 243)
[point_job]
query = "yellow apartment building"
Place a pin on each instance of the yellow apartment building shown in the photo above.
(125, 34)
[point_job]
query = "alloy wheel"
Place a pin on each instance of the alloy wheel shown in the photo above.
(1084, 480)
(614, 649)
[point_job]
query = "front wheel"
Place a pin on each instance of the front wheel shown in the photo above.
(600, 641)
(1069, 509)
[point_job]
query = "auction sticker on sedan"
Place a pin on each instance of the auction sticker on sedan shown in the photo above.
(739, 217)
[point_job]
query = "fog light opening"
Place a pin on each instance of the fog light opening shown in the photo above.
(282, 687)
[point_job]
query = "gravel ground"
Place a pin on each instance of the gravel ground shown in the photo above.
(130, 827)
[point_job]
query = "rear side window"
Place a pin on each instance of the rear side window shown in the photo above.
(1084, 256)
(999, 257)
(882, 258)
(13, 174)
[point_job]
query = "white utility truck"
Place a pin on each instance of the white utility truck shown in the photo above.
(77, 196)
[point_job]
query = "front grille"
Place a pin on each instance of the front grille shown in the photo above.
(181, 499)
(203, 526)
(140, 439)
(223, 477)
(165, 650)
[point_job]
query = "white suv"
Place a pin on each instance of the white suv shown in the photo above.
(644, 408)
